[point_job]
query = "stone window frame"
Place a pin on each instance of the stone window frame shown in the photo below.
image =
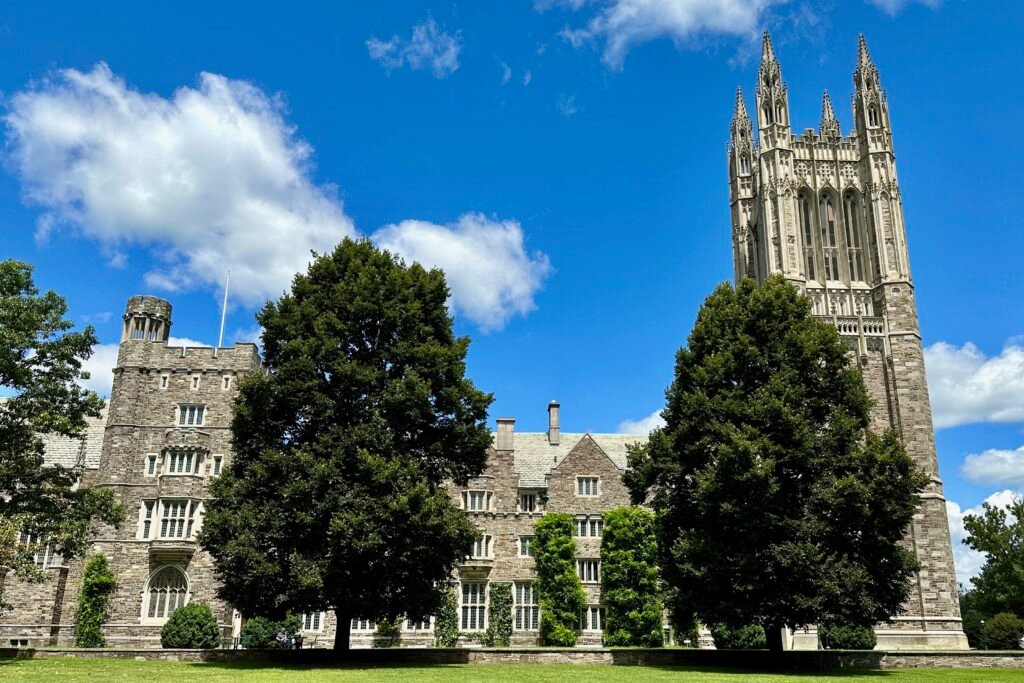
(196, 381)
(183, 418)
(225, 383)
(587, 524)
(196, 462)
(153, 465)
(313, 622)
(580, 478)
(165, 381)
(154, 511)
(216, 464)
(488, 499)
(587, 618)
(527, 546)
(474, 597)
(588, 569)
(532, 494)
(423, 626)
(363, 625)
(486, 542)
(525, 612)
(147, 595)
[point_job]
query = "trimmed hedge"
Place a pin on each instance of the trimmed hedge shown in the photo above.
(745, 638)
(836, 637)
(562, 599)
(98, 583)
(191, 626)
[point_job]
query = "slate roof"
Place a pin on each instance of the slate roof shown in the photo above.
(534, 458)
(60, 450)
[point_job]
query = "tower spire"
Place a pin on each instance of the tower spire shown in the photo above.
(863, 56)
(829, 126)
(767, 52)
(741, 108)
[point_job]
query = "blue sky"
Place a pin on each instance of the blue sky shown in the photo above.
(564, 161)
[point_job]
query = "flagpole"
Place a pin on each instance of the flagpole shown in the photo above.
(223, 311)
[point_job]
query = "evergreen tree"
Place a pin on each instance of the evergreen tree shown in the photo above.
(999, 533)
(562, 598)
(776, 505)
(336, 497)
(41, 363)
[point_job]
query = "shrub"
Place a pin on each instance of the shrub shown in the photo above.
(388, 633)
(1002, 631)
(446, 622)
(629, 579)
(97, 584)
(562, 599)
(837, 637)
(745, 638)
(260, 633)
(499, 616)
(192, 626)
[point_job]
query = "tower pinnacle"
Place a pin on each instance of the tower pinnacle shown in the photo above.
(829, 126)
(741, 107)
(863, 56)
(767, 52)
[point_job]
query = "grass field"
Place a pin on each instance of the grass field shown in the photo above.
(111, 671)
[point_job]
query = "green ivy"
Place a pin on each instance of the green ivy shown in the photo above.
(561, 595)
(629, 579)
(97, 584)
(446, 622)
(499, 616)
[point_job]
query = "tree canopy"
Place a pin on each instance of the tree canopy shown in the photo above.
(775, 504)
(41, 365)
(335, 498)
(999, 533)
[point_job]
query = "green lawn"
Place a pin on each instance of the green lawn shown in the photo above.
(111, 671)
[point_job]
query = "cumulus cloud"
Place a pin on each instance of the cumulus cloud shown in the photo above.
(428, 48)
(892, 7)
(100, 367)
(995, 466)
(969, 562)
(644, 425)
(212, 177)
(966, 386)
(490, 273)
(621, 24)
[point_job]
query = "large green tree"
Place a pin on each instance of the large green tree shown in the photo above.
(999, 533)
(336, 497)
(41, 365)
(776, 505)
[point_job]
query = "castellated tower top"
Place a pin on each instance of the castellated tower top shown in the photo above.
(146, 318)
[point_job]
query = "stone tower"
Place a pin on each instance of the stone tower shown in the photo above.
(824, 211)
(167, 435)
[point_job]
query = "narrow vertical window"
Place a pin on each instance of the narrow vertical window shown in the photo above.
(830, 247)
(147, 517)
(527, 612)
(226, 382)
(807, 232)
(151, 465)
(217, 462)
(163, 381)
(851, 216)
(474, 606)
(526, 546)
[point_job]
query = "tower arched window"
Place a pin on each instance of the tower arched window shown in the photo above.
(854, 229)
(780, 113)
(744, 163)
(807, 233)
(166, 591)
(767, 109)
(873, 118)
(829, 243)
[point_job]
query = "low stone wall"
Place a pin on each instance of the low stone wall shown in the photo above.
(822, 660)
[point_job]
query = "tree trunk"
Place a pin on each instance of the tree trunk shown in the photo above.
(773, 636)
(343, 631)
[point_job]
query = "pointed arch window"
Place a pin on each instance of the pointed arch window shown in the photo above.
(166, 591)
(807, 234)
(829, 244)
(873, 118)
(744, 163)
(767, 109)
(854, 229)
(780, 113)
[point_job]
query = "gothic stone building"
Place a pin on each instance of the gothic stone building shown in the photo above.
(821, 209)
(824, 211)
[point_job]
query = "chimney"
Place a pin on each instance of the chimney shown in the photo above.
(506, 430)
(553, 430)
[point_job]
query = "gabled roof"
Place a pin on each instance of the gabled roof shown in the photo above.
(533, 457)
(67, 452)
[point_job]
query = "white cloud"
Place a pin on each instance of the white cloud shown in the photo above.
(212, 177)
(527, 77)
(506, 73)
(644, 425)
(969, 562)
(621, 24)
(995, 466)
(100, 367)
(892, 7)
(567, 105)
(185, 341)
(429, 47)
(967, 386)
(490, 273)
